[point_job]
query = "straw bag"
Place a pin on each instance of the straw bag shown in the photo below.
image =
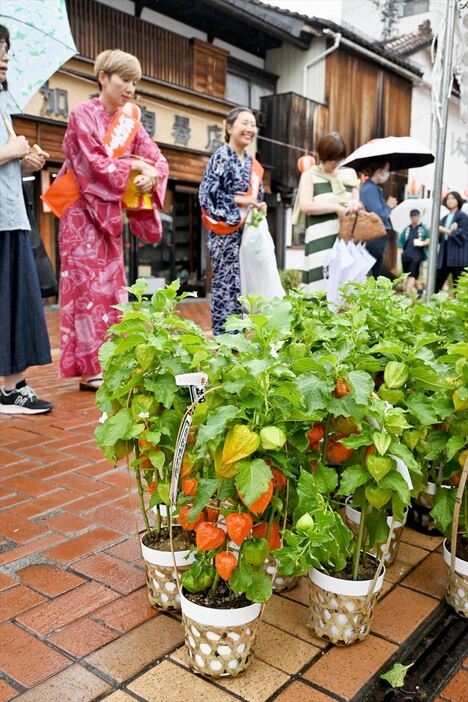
(361, 226)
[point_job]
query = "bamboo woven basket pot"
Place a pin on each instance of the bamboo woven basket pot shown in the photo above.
(219, 642)
(341, 610)
(161, 576)
(280, 583)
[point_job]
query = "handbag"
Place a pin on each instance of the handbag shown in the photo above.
(45, 272)
(361, 226)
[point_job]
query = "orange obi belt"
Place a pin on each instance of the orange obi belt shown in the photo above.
(219, 227)
(121, 132)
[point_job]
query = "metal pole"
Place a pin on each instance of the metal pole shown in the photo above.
(441, 135)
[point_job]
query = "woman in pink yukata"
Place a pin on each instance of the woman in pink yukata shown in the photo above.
(92, 274)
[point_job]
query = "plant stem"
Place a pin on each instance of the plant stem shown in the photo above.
(141, 495)
(270, 521)
(325, 440)
(358, 545)
(214, 587)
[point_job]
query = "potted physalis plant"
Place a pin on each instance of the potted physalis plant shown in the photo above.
(240, 464)
(142, 408)
(376, 482)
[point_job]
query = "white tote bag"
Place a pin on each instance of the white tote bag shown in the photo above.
(258, 270)
(337, 266)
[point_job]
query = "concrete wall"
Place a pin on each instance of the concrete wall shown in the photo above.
(288, 62)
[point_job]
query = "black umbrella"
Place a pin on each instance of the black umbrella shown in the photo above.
(400, 152)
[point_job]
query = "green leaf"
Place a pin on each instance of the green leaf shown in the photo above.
(454, 445)
(205, 490)
(115, 428)
(396, 675)
(105, 353)
(352, 478)
(241, 577)
(355, 441)
(260, 588)
(427, 378)
(377, 527)
(396, 482)
(362, 384)
(215, 424)
(401, 451)
(253, 479)
(421, 406)
(444, 505)
(326, 479)
(314, 391)
(164, 389)
(145, 355)
(157, 459)
(163, 492)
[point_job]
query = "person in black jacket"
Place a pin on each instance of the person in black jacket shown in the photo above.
(453, 241)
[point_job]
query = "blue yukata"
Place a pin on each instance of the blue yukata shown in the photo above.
(224, 178)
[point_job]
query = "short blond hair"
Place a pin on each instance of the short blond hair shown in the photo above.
(112, 61)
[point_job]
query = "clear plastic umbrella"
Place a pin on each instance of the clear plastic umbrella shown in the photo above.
(401, 152)
(41, 42)
(400, 215)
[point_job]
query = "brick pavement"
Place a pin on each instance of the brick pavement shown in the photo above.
(75, 624)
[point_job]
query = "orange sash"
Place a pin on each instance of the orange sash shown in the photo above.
(64, 191)
(219, 227)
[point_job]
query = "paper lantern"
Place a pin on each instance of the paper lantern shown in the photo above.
(414, 187)
(304, 163)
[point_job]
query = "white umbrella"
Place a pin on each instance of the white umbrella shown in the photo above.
(400, 215)
(401, 152)
(41, 42)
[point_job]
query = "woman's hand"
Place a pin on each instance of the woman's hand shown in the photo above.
(246, 201)
(341, 211)
(261, 206)
(392, 201)
(353, 206)
(145, 169)
(144, 183)
(33, 161)
(444, 230)
(17, 146)
(453, 227)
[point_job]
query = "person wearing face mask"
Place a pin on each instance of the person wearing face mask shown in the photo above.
(452, 257)
(102, 162)
(230, 187)
(24, 341)
(372, 198)
(326, 192)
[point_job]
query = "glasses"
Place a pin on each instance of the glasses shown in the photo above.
(5, 50)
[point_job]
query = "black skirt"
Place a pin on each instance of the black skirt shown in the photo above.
(24, 341)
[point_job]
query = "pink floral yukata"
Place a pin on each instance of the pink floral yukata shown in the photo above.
(92, 274)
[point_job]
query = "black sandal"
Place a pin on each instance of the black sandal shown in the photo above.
(89, 385)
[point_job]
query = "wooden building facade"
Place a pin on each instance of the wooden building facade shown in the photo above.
(182, 97)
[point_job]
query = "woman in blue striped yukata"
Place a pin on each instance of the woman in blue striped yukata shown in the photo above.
(326, 192)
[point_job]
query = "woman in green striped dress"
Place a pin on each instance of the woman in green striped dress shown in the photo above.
(326, 192)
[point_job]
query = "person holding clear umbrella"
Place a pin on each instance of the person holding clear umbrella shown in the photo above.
(24, 341)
